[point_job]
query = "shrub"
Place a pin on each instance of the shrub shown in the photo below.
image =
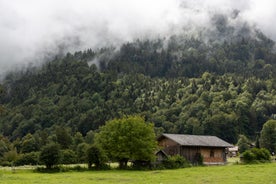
(176, 161)
(256, 155)
(28, 159)
(78, 168)
(141, 165)
(9, 158)
(5, 163)
(53, 169)
(198, 159)
(261, 154)
(248, 157)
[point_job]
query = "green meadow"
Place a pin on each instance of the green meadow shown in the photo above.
(257, 173)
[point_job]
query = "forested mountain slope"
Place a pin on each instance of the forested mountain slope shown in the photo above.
(220, 87)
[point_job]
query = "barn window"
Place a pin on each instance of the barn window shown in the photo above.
(212, 153)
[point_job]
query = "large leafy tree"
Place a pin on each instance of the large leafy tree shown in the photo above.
(129, 138)
(268, 136)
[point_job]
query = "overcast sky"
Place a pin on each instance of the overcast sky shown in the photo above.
(29, 29)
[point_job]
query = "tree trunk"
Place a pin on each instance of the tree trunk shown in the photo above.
(123, 163)
(48, 166)
(89, 165)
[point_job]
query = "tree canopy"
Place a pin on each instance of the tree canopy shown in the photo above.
(129, 138)
(50, 155)
(268, 136)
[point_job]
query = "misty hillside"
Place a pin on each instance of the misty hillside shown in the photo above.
(179, 57)
(182, 85)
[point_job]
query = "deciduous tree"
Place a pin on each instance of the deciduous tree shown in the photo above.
(129, 138)
(50, 155)
(268, 136)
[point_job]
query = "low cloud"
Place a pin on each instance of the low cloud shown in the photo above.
(31, 30)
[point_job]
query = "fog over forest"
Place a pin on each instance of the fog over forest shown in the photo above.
(32, 30)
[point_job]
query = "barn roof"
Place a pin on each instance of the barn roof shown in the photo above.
(196, 140)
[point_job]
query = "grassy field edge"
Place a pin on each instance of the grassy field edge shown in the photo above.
(233, 173)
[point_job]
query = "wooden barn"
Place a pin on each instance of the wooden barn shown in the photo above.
(193, 147)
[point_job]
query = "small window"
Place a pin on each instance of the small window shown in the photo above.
(212, 153)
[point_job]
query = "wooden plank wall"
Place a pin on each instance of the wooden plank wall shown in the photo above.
(191, 153)
(217, 156)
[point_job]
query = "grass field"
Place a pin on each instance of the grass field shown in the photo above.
(259, 173)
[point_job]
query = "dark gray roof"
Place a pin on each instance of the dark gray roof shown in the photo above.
(197, 140)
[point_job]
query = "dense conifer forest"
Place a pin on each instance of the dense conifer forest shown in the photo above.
(222, 87)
